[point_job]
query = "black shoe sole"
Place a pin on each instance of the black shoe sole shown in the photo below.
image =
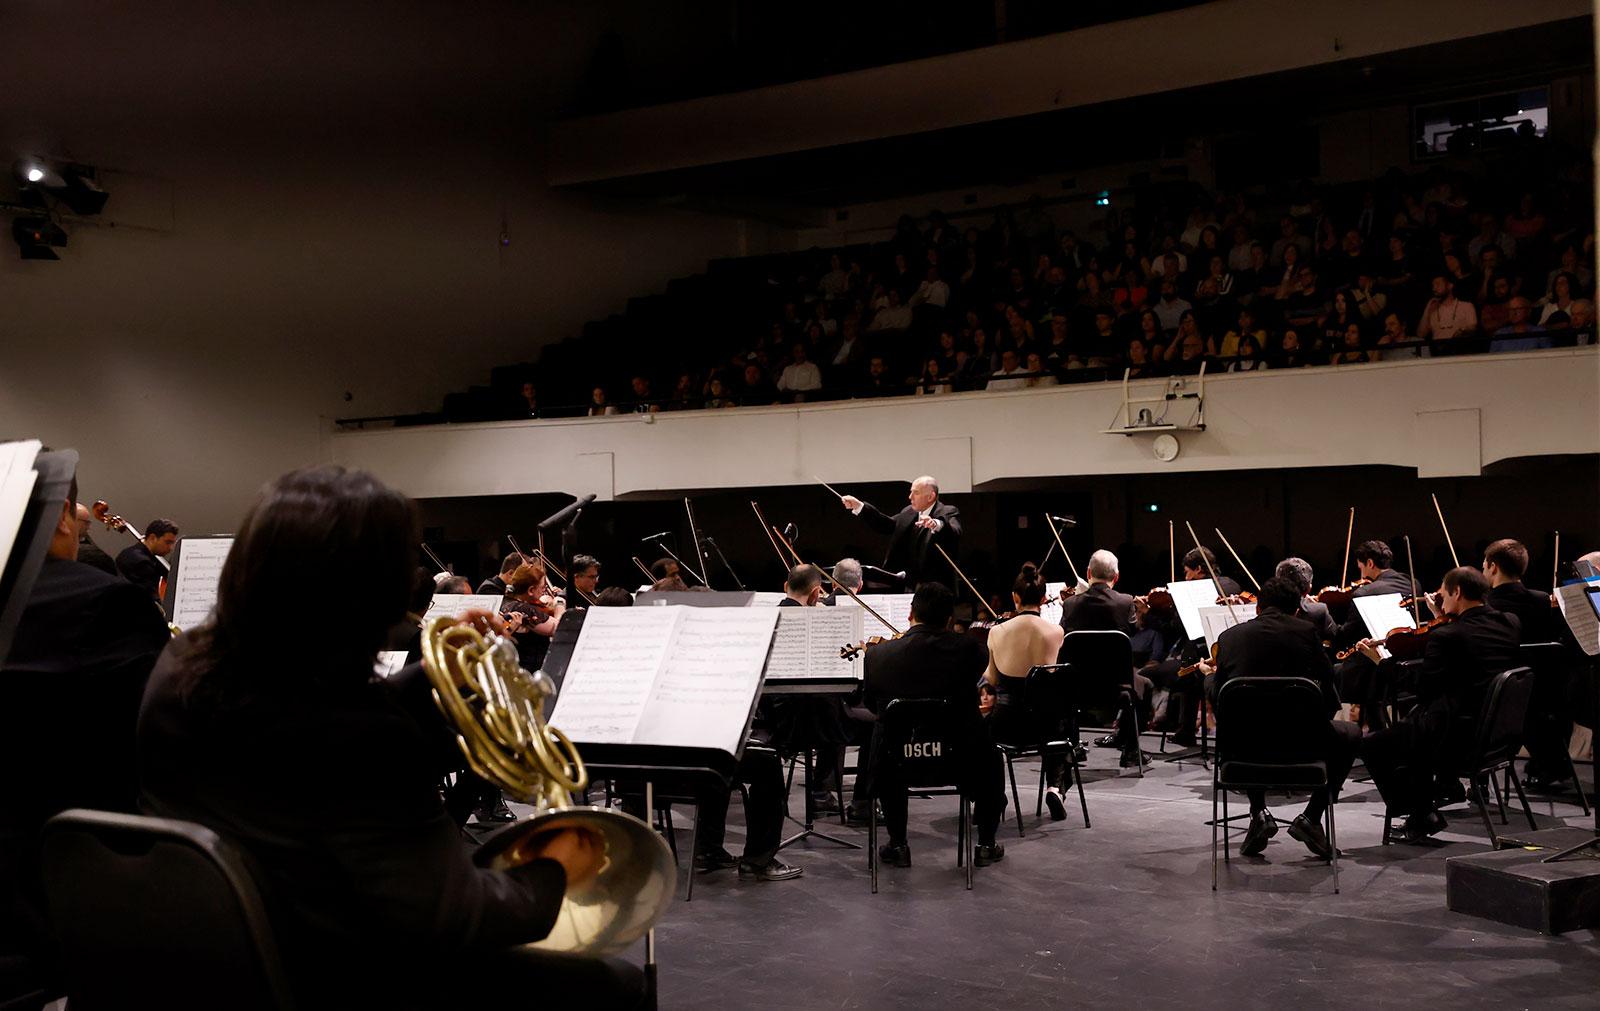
(1254, 846)
(1057, 808)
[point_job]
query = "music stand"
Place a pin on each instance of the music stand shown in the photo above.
(22, 566)
(1593, 596)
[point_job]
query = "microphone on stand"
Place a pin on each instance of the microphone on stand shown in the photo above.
(656, 537)
(1064, 520)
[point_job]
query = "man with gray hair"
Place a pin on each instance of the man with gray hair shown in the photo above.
(846, 573)
(914, 530)
(1298, 571)
(1102, 608)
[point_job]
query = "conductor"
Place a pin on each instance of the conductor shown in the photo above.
(914, 530)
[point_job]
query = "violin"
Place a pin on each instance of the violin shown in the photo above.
(1184, 672)
(1405, 643)
(1242, 597)
(851, 650)
(1158, 599)
(1338, 595)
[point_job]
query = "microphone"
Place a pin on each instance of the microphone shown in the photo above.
(565, 513)
(1064, 520)
(791, 533)
(656, 537)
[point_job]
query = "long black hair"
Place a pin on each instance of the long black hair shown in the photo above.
(325, 528)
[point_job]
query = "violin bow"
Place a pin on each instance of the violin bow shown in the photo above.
(1206, 560)
(1242, 567)
(435, 558)
(766, 528)
(1172, 555)
(1349, 532)
(699, 551)
(1555, 566)
(964, 579)
(1076, 579)
(1446, 529)
(1411, 563)
(837, 585)
(649, 577)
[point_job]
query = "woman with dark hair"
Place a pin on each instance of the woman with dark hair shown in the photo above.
(1015, 647)
(272, 729)
(1562, 291)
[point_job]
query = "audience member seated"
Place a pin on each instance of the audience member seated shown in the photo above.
(800, 376)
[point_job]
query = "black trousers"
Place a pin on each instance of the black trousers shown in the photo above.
(1405, 761)
(762, 772)
(1339, 751)
(1550, 717)
(984, 780)
(828, 772)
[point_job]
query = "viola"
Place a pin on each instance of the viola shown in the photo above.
(1158, 599)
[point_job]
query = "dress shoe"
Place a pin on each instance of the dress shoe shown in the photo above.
(1448, 792)
(1185, 739)
(718, 859)
(1418, 828)
(1080, 754)
(895, 855)
(1131, 759)
(824, 803)
(1108, 741)
(494, 812)
(1540, 783)
(855, 817)
(992, 853)
(1262, 827)
(772, 870)
(1309, 832)
(1054, 804)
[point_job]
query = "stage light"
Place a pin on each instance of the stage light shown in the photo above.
(75, 185)
(35, 173)
(35, 237)
(1104, 199)
(1153, 507)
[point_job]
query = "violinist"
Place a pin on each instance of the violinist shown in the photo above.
(1549, 717)
(1298, 571)
(1102, 608)
(1015, 647)
(1460, 658)
(914, 530)
(810, 722)
(1360, 681)
(531, 612)
(1183, 690)
(585, 573)
(496, 585)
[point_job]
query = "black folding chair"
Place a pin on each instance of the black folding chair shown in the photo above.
(1046, 701)
(1270, 736)
(1549, 661)
(1498, 738)
(916, 745)
(1102, 671)
(152, 912)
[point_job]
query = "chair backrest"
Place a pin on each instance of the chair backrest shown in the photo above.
(1102, 664)
(1504, 714)
(1271, 721)
(921, 740)
(1544, 657)
(153, 912)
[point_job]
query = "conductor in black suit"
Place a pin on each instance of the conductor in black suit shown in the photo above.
(929, 661)
(1280, 642)
(914, 530)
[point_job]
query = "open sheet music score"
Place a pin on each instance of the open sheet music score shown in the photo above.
(807, 642)
(454, 605)
(1215, 618)
(894, 606)
(1383, 614)
(1189, 597)
(197, 569)
(1050, 610)
(670, 676)
(17, 478)
(1581, 618)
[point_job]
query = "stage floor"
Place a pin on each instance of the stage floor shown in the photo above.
(1118, 915)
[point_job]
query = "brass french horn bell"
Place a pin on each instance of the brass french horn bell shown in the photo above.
(496, 708)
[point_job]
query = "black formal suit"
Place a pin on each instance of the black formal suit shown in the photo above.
(333, 796)
(1540, 621)
(1460, 660)
(1321, 619)
(1360, 680)
(1275, 644)
(1099, 608)
(1549, 709)
(911, 547)
(493, 586)
(139, 566)
(89, 553)
(71, 686)
(930, 664)
(1353, 629)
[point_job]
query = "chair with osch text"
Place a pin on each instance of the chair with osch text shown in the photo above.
(1270, 734)
(1047, 700)
(917, 746)
(1101, 677)
(153, 912)
(1497, 739)
(1548, 660)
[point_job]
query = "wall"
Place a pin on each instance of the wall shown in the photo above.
(304, 223)
(1226, 40)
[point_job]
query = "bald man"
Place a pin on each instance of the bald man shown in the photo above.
(89, 552)
(914, 530)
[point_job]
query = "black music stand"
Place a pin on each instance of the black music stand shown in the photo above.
(50, 490)
(811, 686)
(1593, 842)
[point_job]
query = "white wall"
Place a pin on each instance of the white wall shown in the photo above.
(308, 203)
(1444, 417)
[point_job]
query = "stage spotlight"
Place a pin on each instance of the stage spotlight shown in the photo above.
(35, 237)
(75, 185)
(35, 173)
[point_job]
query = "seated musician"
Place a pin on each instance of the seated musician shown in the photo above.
(82, 650)
(1360, 680)
(929, 661)
(1459, 660)
(846, 573)
(1280, 642)
(1299, 572)
(1184, 689)
(1505, 562)
(1102, 608)
(531, 611)
(496, 585)
(914, 530)
(585, 573)
(1015, 647)
(811, 722)
(372, 893)
(141, 563)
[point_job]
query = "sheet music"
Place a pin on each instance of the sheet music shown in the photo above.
(807, 642)
(1189, 597)
(1383, 614)
(1581, 619)
(17, 478)
(894, 606)
(194, 591)
(1215, 618)
(456, 604)
(1051, 609)
(767, 598)
(614, 666)
(708, 683)
(389, 662)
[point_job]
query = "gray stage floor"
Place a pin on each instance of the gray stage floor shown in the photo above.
(1120, 915)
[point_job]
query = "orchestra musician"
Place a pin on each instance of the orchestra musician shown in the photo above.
(1280, 642)
(1102, 607)
(82, 649)
(1016, 645)
(140, 563)
(89, 552)
(495, 586)
(846, 573)
(371, 892)
(1460, 658)
(585, 575)
(914, 530)
(1505, 562)
(1184, 691)
(1361, 681)
(1299, 572)
(811, 722)
(531, 612)
(930, 661)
